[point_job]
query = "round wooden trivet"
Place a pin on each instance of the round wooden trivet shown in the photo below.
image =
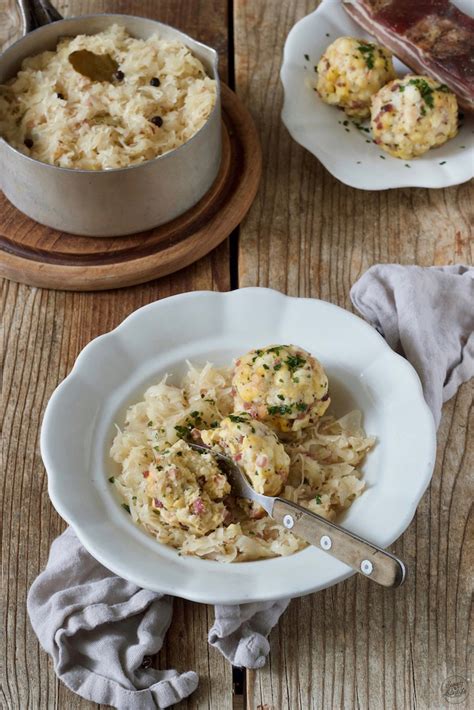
(40, 256)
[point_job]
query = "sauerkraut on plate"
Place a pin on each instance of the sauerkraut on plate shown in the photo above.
(106, 100)
(182, 497)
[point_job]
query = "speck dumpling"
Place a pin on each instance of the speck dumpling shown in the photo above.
(412, 115)
(255, 448)
(281, 385)
(350, 72)
(186, 489)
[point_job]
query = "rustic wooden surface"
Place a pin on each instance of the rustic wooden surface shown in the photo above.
(353, 646)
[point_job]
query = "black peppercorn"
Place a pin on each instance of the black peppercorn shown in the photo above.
(157, 120)
(28, 143)
(155, 81)
(60, 96)
(119, 75)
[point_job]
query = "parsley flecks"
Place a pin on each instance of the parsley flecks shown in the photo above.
(367, 51)
(111, 479)
(294, 362)
(237, 419)
(214, 425)
(265, 367)
(275, 349)
(126, 507)
(426, 92)
(279, 409)
(277, 367)
(150, 423)
(306, 56)
(182, 431)
(318, 499)
(281, 396)
(301, 407)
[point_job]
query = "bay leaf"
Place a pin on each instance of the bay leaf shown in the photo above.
(98, 67)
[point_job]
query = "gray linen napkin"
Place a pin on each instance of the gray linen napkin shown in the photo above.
(98, 628)
(426, 314)
(240, 632)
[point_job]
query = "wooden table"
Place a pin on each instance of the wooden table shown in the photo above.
(354, 645)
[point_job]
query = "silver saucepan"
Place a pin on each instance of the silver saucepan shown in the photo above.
(106, 203)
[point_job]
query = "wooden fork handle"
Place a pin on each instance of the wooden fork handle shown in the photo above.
(364, 557)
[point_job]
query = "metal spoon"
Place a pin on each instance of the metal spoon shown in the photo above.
(363, 556)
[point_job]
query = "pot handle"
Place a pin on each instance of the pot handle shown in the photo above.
(36, 13)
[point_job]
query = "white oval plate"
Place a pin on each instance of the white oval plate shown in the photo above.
(114, 370)
(343, 149)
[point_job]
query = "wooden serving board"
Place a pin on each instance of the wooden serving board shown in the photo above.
(41, 256)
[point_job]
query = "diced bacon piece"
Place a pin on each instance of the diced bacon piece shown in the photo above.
(198, 507)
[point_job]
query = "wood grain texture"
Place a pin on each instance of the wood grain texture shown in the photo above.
(43, 333)
(356, 645)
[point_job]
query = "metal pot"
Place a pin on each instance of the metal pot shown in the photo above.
(105, 203)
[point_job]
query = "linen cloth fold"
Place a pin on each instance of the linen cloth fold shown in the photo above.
(427, 315)
(99, 628)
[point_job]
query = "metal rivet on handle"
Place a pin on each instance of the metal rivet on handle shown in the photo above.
(326, 542)
(288, 522)
(366, 566)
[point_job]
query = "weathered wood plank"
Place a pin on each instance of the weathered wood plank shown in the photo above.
(43, 333)
(355, 645)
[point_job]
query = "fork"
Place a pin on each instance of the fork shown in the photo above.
(364, 557)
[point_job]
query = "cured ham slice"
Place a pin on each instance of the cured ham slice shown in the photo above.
(431, 36)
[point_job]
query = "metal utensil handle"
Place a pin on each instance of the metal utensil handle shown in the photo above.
(363, 556)
(36, 13)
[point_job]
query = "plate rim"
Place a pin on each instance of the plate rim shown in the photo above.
(199, 593)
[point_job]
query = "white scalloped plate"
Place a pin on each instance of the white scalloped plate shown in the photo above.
(347, 152)
(115, 369)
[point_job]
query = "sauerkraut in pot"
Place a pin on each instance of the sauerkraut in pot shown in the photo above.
(184, 499)
(156, 98)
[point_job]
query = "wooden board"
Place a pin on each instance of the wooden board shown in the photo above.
(356, 646)
(41, 256)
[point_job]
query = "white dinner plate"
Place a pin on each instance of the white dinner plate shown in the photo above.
(114, 370)
(345, 150)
